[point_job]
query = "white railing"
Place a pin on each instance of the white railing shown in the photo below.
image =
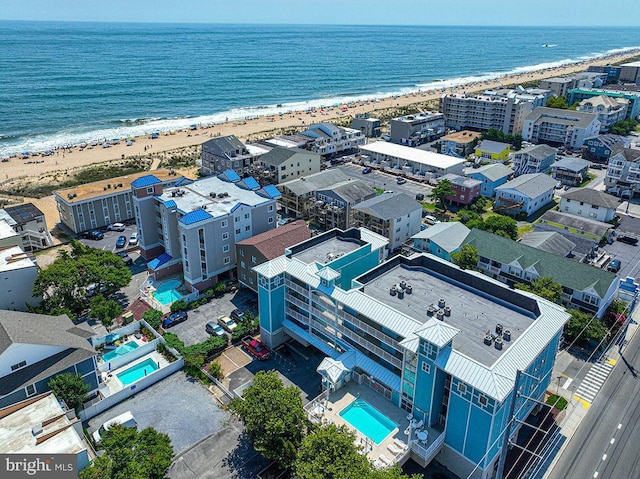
(428, 453)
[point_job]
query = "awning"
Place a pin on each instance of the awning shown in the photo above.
(154, 264)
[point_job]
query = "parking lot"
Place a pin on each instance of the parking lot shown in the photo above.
(192, 330)
(178, 406)
(385, 181)
(629, 257)
(110, 238)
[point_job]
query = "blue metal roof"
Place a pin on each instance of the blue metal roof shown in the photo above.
(250, 183)
(195, 216)
(184, 181)
(229, 175)
(154, 264)
(146, 180)
(269, 191)
(170, 204)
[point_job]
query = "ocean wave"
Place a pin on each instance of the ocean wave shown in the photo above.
(129, 127)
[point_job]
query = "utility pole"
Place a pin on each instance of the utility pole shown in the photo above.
(507, 431)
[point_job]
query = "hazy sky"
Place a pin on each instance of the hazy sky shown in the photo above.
(370, 12)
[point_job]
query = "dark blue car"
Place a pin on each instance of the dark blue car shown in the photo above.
(122, 240)
(174, 319)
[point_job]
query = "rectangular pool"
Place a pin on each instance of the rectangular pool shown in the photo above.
(119, 351)
(368, 420)
(138, 371)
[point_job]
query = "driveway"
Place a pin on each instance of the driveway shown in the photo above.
(629, 257)
(177, 406)
(385, 181)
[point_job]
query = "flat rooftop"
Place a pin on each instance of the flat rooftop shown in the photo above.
(464, 136)
(326, 251)
(13, 257)
(6, 231)
(471, 313)
(407, 153)
(107, 187)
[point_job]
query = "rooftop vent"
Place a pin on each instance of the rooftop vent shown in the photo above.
(392, 290)
(506, 335)
(441, 303)
(447, 311)
(108, 185)
(431, 310)
(403, 284)
(498, 343)
(69, 196)
(408, 289)
(487, 339)
(440, 314)
(499, 329)
(212, 194)
(37, 429)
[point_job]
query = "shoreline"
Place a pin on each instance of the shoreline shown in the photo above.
(75, 156)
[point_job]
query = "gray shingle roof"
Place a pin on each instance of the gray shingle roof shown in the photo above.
(315, 182)
(389, 205)
(628, 154)
(492, 146)
(531, 185)
(351, 190)
(539, 152)
(610, 140)
(549, 241)
(492, 172)
(587, 225)
(224, 144)
(571, 164)
(449, 236)
(577, 276)
(557, 115)
(592, 197)
(279, 155)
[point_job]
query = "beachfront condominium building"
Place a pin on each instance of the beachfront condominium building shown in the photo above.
(613, 72)
(370, 127)
(561, 85)
(502, 110)
(396, 216)
(630, 73)
(29, 224)
(228, 153)
(560, 127)
(193, 229)
(443, 344)
(410, 161)
(98, 204)
(36, 347)
(610, 110)
(623, 173)
(611, 91)
(18, 272)
(286, 164)
(534, 159)
(416, 129)
(328, 140)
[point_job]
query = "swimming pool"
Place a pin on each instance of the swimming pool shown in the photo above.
(166, 292)
(138, 371)
(119, 351)
(368, 420)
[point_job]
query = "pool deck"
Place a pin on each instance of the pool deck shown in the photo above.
(111, 382)
(129, 339)
(328, 411)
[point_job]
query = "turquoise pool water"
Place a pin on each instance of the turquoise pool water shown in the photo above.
(119, 351)
(368, 420)
(166, 292)
(138, 371)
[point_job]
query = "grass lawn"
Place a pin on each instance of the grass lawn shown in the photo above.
(557, 402)
(523, 230)
(587, 180)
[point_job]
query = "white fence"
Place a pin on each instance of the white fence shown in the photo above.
(134, 354)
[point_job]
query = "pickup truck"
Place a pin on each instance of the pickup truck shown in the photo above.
(256, 348)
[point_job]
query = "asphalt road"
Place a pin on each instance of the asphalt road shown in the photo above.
(605, 446)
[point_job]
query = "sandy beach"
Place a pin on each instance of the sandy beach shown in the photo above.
(64, 159)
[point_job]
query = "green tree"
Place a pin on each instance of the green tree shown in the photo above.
(499, 223)
(273, 417)
(624, 127)
(104, 310)
(584, 327)
(70, 388)
(557, 102)
(544, 287)
(153, 317)
(440, 192)
(130, 454)
(467, 257)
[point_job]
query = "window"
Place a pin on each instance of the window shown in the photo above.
(251, 280)
(21, 364)
(237, 231)
(225, 236)
(31, 389)
(225, 248)
(462, 388)
(224, 224)
(150, 190)
(242, 253)
(482, 400)
(246, 216)
(270, 207)
(237, 219)
(227, 260)
(426, 367)
(270, 220)
(254, 260)
(283, 167)
(243, 264)
(247, 228)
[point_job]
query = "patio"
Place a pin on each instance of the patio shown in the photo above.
(112, 384)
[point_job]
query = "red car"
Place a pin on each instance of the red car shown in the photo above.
(256, 348)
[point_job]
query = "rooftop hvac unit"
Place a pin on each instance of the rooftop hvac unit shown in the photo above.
(498, 343)
(441, 303)
(499, 329)
(392, 290)
(506, 335)
(37, 429)
(440, 314)
(408, 289)
(447, 311)
(400, 293)
(488, 339)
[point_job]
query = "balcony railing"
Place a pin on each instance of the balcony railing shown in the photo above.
(428, 453)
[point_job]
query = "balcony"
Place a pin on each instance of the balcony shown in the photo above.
(424, 452)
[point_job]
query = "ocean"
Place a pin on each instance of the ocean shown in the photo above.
(67, 83)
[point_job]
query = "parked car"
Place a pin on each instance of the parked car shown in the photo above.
(366, 171)
(125, 419)
(628, 239)
(419, 197)
(256, 348)
(430, 219)
(116, 227)
(214, 329)
(121, 242)
(175, 318)
(93, 234)
(128, 260)
(400, 180)
(614, 265)
(237, 315)
(133, 239)
(227, 323)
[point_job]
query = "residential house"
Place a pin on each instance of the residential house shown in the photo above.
(551, 242)
(286, 164)
(534, 159)
(442, 239)
(370, 127)
(401, 331)
(191, 230)
(599, 148)
(8, 236)
(228, 153)
(18, 272)
(416, 129)
(30, 224)
(491, 176)
(589, 203)
(333, 206)
(570, 171)
(612, 91)
(34, 348)
(412, 161)
(524, 194)
(623, 173)
(298, 194)
(396, 216)
(39, 425)
(578, 226)
(556, 126)
(493, 150)
(459, 143)
(266, 246)
(327, 139)
(610, 110)
(98, 204)
(466, 190)
(630, 72)
(584, 287)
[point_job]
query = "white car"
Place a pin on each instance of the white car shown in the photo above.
(116, 227)
(227, 323)
(125, 419)
(133, 240)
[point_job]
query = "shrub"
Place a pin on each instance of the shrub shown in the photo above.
(216, 370)
(557, 402)
(179, 305)
(173, 341)
(153, 317)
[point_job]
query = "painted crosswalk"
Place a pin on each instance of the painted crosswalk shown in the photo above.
(593, 381)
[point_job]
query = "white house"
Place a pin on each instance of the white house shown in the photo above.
(17, 275)
(588, 203)
(524, 194)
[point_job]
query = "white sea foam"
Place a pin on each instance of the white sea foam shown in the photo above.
(145, 126)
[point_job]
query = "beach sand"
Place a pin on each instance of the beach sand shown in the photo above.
(76, 157)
